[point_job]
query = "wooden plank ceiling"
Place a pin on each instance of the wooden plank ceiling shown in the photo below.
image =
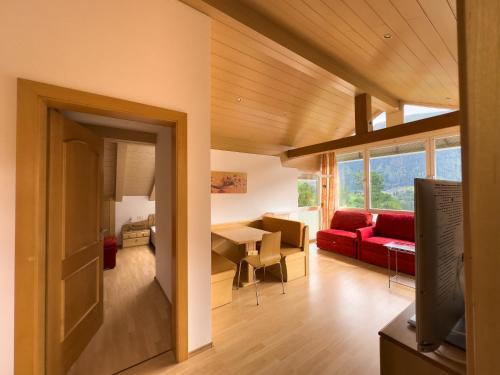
(139, 169)
(267, 99)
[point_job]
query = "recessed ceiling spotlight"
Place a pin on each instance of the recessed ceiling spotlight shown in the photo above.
(239, 99)
(387, 36)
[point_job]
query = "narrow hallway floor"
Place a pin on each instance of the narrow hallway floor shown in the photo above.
(136, 317)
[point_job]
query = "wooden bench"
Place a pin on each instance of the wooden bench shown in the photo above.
(223, 272)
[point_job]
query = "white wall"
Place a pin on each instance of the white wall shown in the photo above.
(155, 52)
(270, 187)
(132, 208)
(163, 195)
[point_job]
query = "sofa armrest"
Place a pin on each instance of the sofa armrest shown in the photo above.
(366, 232)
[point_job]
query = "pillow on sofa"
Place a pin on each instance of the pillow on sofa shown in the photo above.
(397, 226)
(351, 220)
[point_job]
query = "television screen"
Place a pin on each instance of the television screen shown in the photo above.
(439, 260)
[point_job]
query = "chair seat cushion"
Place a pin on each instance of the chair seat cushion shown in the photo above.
(381, 241)
(336, 235)
(372, 250)
(288, 250)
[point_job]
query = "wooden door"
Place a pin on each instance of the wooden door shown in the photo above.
(74, 246)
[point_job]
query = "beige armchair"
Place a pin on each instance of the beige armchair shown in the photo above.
(269, 255)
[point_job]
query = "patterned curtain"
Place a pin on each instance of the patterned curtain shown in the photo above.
(327, 189)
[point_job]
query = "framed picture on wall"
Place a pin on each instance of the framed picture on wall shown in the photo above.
(228, 182)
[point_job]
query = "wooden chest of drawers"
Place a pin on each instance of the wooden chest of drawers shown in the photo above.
(136, 237)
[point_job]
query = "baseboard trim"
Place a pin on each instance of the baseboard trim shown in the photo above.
(200, 350)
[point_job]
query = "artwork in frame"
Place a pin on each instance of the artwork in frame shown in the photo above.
(228, 182)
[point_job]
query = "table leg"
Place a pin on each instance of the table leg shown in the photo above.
(389, 266)
(250, 249)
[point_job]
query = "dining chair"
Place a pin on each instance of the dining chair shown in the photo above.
(269, 255)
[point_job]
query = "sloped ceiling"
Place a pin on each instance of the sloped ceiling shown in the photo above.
(139, 169)
(266, 98)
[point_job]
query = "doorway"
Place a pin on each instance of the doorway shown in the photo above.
(137, 245)
(35, 100)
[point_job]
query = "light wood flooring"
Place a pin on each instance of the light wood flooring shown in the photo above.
(326, 323)
(136, 317)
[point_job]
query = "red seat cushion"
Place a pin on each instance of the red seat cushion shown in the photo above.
(110, 241)
(336, 233)
(381, 241)
(372, 250)
(396, 226)
(339, 241)
(351, 220)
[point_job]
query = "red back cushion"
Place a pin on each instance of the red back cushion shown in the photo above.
(351, 220)
(397, 226)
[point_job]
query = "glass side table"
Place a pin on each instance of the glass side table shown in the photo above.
(396, 248)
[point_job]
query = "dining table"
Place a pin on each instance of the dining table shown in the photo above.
(247, 236)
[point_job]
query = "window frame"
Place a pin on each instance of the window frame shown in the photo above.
(429, 141)
(337, 185)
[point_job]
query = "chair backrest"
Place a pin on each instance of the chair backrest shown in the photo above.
(291, 230)
(270, 248)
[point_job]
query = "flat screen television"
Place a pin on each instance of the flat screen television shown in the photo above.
(440, 306)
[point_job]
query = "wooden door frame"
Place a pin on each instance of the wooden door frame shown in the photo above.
(34, 99)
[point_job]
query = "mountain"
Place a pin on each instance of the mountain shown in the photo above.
(399, 171)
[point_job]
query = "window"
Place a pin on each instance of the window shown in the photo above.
(380, 122)
(351, 175)
(418, 112)
(309, 212)
(392, 171)
(448, 163)
(308, 191)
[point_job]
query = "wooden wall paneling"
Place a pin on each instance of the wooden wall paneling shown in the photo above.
(479, 59)
(121, 160)
(139, 170)
(109, 169)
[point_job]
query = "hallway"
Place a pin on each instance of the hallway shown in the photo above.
(136, 317)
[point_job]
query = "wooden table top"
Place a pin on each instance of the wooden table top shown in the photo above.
(241, 235)
(402, 334)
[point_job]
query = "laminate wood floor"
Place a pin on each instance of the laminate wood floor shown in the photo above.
(136, 317)
(326, 323)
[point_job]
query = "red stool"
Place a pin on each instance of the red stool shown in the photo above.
(110, 250)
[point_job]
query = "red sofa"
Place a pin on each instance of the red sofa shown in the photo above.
(341, 237)
(388, 228)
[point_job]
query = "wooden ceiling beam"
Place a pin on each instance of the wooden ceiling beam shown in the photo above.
(121, 156)
(292, 42)
(363, 114)
(446, 120)
(119, 134)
